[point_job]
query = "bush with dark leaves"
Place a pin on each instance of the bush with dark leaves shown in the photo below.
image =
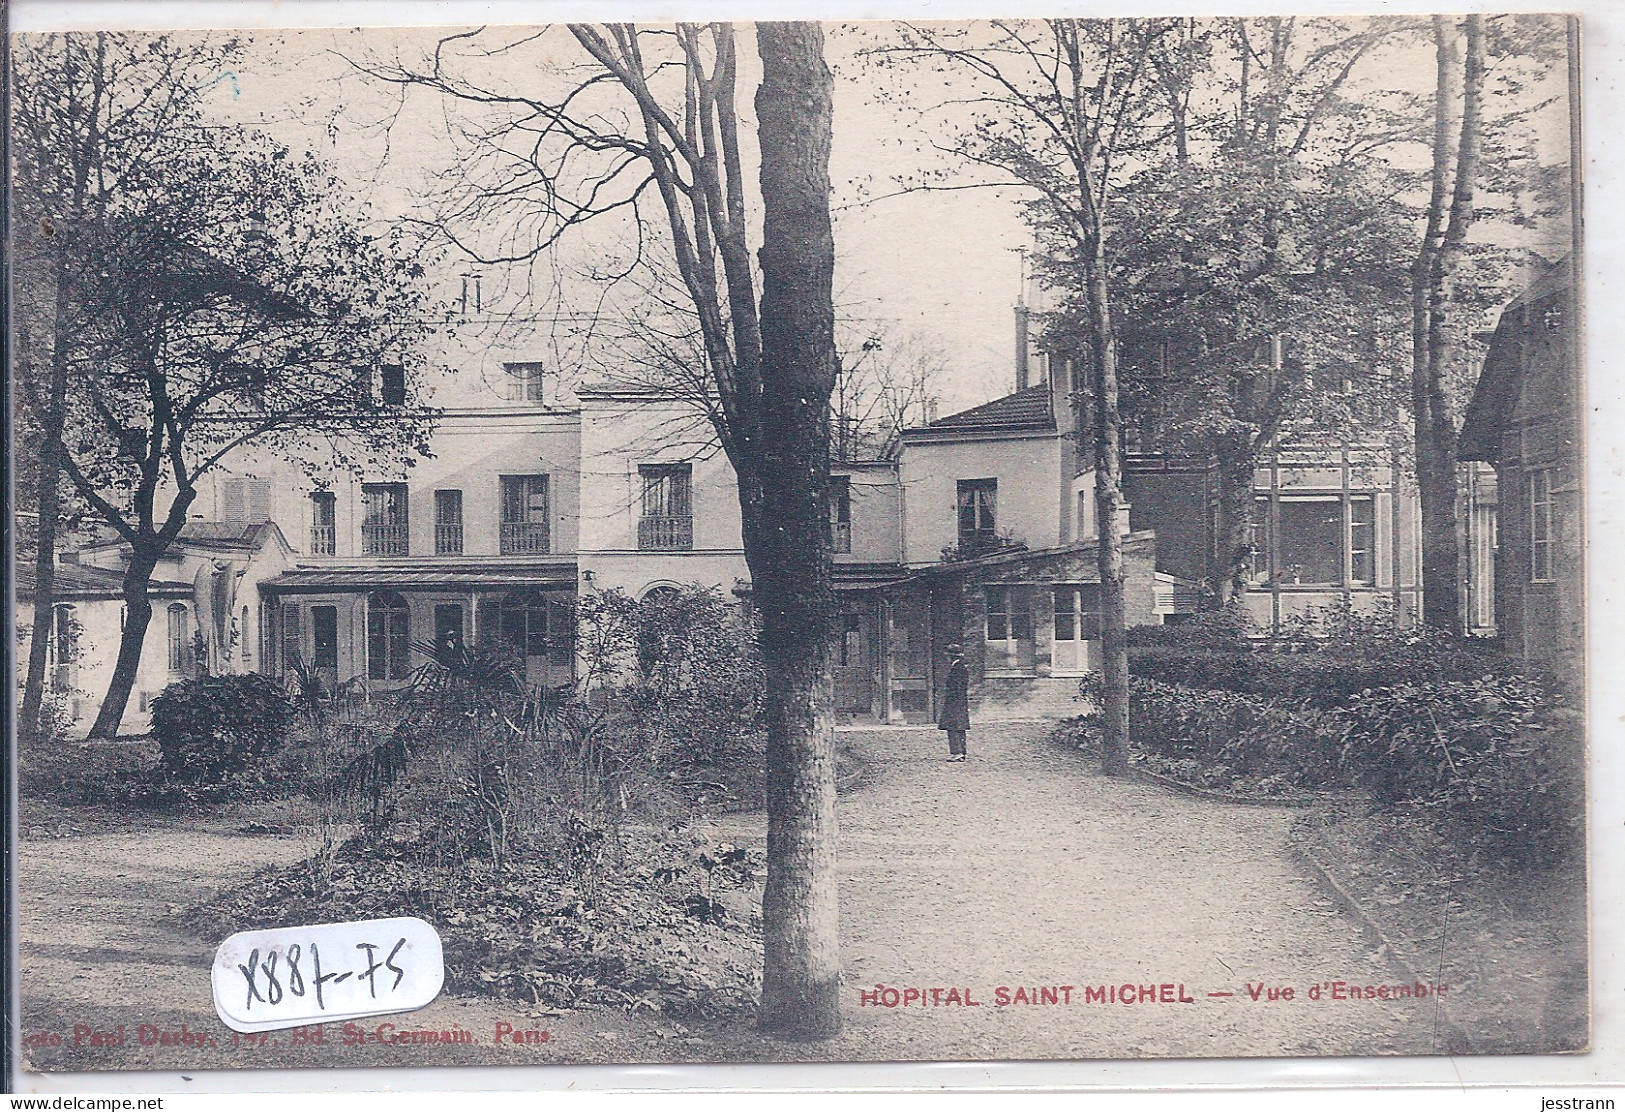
(212, 729)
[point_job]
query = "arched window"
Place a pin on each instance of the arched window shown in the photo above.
(180, 640)
(524, 623)
(64, 635)
(389, 636)
(655, 613)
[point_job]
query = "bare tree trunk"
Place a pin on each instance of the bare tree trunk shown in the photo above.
(1108, 504)
(137, 616)
(48, 501)
(1432, 297)
(788, 556)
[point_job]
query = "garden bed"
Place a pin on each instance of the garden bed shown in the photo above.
(1510, 945)
(672, 931)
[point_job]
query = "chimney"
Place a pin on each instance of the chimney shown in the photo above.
(1021, 345)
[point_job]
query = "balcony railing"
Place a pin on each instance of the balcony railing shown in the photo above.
(323, 540)
(383, 540)
(448, 539)
(656, 534)
(840, 536)
(520, 538)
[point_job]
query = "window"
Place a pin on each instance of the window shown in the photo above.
(1258, 543)
(1009, 615)
(448, 628)
(245, 500)
(323, 535)
(840, 513)
(1309, 541)
(324, 635)
(977, 501)
(361, 386)
(291, 646)
(851, 647)
(656, 609)
(1362, 534)
(393, 386)
(180, 640)
(1077, 613)
(64, 643)
(383, 526)
(524, 381)
(448, 522)
(1309, 538)
(389, 636)
(1540, 525)
(668, 514)
(524, 623)
(561, 627)
(524, 525)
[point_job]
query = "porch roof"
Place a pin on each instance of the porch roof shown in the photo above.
(87, 583)
(429, 577)
(861, 577)
(1006, 557)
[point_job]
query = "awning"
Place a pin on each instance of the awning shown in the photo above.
(307, 581)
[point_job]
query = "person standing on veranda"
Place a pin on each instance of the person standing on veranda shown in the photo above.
(955, 716)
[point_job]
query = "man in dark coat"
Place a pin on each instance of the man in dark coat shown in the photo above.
(955, 717)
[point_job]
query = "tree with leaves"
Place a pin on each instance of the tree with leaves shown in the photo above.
(1260, 256)
(1487, 186)
(644, 123)
(224, 295)
(1065, 108)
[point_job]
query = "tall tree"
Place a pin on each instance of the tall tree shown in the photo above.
(226, 293)
(1260, 261)
(1449, 215)
(650, 118)
(1064, 108)
(88, 116)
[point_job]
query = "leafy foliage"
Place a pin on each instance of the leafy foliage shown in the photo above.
(212, 728)
(1488, 751)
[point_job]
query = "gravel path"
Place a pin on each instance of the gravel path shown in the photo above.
(1021, 868)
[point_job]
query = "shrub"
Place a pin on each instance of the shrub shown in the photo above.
(1493, 759)
(214, 728)
(1325, 673)
(1234, 736)
(699, 691)
(1228, 629)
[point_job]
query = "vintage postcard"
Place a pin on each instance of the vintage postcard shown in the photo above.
(872, 541)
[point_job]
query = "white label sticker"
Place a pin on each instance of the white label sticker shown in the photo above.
(291, 976)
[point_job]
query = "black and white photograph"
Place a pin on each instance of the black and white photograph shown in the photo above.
(993, 540)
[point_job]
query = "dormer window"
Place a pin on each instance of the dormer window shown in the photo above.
(524, 381)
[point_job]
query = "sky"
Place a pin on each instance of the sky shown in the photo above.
(941, 267)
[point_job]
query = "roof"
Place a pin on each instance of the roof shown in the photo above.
(859, 576)
(81, 581)
(208, 534)
(1002, 557)
(1025, 409)
(432, 576)
(1495, 394)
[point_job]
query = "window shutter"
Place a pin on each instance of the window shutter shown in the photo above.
(259, 500)
(233, 500)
